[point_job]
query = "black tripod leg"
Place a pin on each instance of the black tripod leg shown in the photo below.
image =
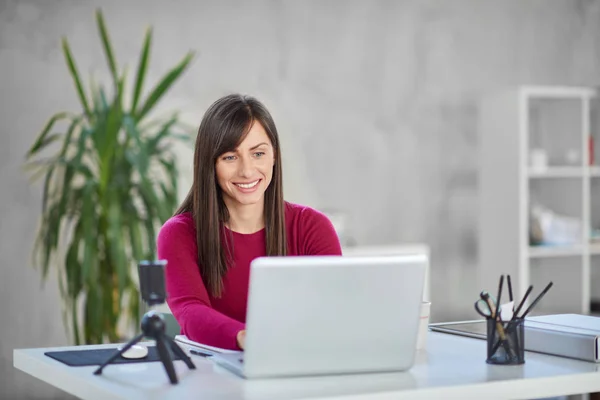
(165, 357)
(119, 352)
(179, 352)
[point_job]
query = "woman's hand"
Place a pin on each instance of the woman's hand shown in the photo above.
(241, 339)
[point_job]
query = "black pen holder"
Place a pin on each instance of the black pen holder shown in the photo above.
(506, 342)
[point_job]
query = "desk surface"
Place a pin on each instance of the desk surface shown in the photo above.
(451, 367)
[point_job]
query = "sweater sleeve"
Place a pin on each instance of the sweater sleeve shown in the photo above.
(187, 295)
(320, 237)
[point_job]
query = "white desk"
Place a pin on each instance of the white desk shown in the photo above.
(451, 367)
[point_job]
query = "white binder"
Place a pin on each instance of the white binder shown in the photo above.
(567, 335)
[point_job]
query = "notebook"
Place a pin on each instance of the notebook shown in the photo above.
(183, 339)
(566, 335)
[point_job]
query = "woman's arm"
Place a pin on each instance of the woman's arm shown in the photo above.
(187, 296)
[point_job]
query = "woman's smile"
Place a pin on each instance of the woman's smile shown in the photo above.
(247, 187)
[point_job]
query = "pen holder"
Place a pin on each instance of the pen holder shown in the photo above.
(505, 342)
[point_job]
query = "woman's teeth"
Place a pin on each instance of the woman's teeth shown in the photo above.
(247, 185)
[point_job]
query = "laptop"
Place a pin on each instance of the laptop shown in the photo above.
(317, 315)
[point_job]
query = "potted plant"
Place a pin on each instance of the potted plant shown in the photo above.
(109, 182)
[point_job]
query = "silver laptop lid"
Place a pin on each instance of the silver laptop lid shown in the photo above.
(332, 314)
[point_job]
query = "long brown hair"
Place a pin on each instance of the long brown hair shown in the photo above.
(224, 126)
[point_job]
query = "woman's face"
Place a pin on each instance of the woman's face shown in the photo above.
(245, 173)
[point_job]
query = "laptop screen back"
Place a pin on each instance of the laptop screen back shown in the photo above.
(331, 314)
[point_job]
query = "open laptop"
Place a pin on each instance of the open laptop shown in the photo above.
(314, 315)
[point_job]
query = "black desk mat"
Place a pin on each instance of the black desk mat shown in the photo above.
(80, 358)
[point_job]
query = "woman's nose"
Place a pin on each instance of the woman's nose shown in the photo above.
(245, 169)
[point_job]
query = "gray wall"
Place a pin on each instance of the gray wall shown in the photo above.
(376, 102)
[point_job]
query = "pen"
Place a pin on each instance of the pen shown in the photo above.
(510, 293)
(201, 353)
(537, 299)
(522, 301)
(499, 295)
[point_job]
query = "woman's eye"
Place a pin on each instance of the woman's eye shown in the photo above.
(259, 154)
(228, 158)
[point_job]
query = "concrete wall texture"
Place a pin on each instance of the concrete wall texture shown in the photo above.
(376, 103)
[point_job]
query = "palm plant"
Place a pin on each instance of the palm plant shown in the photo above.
(109, 183)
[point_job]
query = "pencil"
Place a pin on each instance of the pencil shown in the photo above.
(510, 293)
(515, 314)
(537, 299)
(499, 295)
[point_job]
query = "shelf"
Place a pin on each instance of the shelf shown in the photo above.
(556, 251)
(564, 172)
(562, 251)
(595, 248)
(558, 172)
(558, 92)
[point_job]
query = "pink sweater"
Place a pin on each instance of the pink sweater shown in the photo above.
(216, 321)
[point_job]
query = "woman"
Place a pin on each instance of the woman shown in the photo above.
(234, 213)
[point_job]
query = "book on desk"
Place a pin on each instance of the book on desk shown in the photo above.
(566, 335)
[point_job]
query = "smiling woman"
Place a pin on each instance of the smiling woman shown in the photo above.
(234, 213)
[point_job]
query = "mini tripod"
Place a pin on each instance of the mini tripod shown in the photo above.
(153, 326)
(152, 290)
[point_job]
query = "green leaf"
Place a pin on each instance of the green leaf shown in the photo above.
(106, 45)
(48, 140)
(148, 192)
(61, 286)
(54, 210)
(135, 235)
(42, 139)
(99, 103)
(168, 195)
(163, 133)
(111, 136)
(89, 227)
(117, 250)
(160, 89)
(67, 141)
(103, 101)
(107, 318)
(148, 221)
(75, 321)
(73, 266)
(134, 305)
(49, 237)
(142, 67)
(75, 76)
(138, 156)
(46, 188)
(182, 137)
(72, 167)
(94, 309)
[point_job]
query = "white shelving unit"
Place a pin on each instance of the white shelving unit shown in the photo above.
(556, 121)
